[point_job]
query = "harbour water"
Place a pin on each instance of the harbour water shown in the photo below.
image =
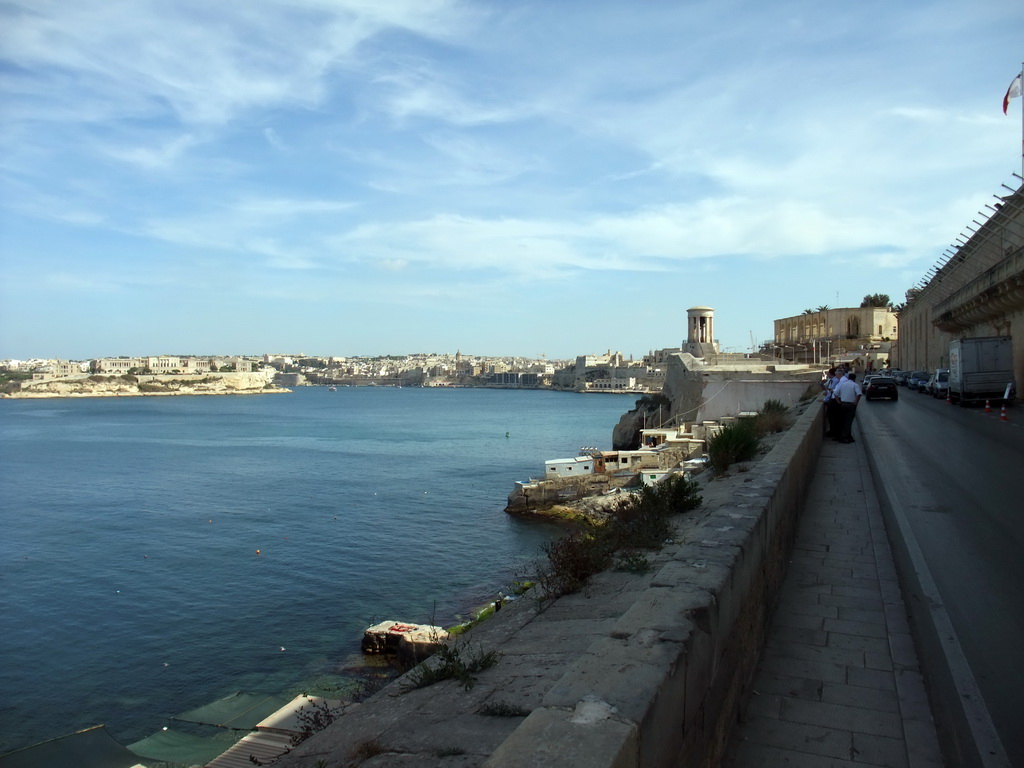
(159, 553)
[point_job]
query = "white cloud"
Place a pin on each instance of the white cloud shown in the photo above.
(159, 157)
(274, 139)
(249, 226)
(205, 62)
(423, 148)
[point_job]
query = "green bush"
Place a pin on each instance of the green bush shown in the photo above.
(572, 560)
(633, 562)
(773, 417)
(735, 442)
(639, 522)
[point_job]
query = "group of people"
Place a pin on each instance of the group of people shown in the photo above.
(842, 393)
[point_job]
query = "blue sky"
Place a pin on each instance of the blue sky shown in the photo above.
(357, 177)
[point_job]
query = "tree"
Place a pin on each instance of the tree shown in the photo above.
(808, 311)
(876, 300)
(823, 308)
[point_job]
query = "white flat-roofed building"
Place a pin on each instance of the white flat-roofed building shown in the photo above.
(574, 467)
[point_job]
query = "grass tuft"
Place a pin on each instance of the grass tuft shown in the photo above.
(456, 661)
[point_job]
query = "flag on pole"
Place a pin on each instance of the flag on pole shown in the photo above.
(1012, 92)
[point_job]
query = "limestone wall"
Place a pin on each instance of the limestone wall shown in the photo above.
(636, 670)
(727, 397)
(700, 392)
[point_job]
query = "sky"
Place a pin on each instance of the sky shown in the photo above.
(547, 177)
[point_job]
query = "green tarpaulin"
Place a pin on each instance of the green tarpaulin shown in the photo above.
(91, 748)
(239, 710)
(178, 747)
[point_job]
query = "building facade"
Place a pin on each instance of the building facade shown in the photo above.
(975, 289)
(829, 334)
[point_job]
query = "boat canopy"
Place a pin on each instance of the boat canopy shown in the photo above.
(242, 711)
(172, 746)
(92, 748)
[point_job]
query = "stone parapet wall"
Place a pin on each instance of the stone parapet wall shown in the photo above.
(636, 670)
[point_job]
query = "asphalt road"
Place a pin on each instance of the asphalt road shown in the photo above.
(957, 474)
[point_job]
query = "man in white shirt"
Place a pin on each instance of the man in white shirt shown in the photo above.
(848, 393)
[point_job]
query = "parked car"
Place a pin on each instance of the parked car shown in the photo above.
(917, 379)
(938, 383)
(881, 386)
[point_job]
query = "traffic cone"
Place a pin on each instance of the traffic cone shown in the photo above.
(988, 407)
(1002, 414)
(949, 397)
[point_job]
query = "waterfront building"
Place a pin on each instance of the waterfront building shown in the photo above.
(572, 467)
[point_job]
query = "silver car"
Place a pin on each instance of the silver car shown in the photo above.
(938, 384)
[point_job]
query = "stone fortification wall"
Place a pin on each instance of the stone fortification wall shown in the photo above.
(701, 392)
(727, 397)
(636, 670)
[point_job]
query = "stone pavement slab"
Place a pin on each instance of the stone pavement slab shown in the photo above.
(839, 682)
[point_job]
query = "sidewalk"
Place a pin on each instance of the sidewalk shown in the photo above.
(838, 683)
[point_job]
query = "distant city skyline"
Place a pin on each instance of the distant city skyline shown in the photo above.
(520, 179)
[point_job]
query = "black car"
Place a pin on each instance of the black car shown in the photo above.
(881, 386)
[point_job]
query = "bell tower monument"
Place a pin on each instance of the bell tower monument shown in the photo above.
(700, 332)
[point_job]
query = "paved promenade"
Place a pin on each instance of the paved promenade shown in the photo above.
(839, 682)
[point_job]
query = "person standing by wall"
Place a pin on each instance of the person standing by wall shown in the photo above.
(848, 393)
(831, 404)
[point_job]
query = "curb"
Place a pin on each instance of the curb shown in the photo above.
(966, 732)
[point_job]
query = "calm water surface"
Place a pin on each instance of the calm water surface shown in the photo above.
(130, 584)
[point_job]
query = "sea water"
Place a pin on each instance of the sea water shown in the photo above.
(158, 553)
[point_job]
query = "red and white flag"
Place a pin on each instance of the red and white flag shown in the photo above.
(1012, 92)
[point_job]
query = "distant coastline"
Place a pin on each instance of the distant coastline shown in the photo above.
(145, 386)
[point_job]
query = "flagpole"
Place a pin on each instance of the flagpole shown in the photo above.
(1016, 91)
